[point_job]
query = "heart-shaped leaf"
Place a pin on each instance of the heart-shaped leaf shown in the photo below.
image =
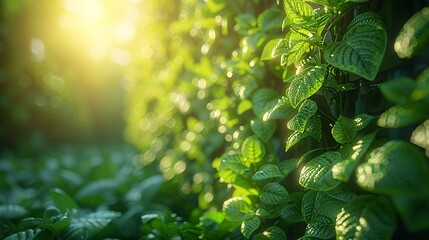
(305, 84)
(344, 130)
(253, 150)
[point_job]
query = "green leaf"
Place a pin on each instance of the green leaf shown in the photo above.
(366, 18)
(413, 38)
(267, 171)
(321, 227)
(282, 47)
(291, 211)
(313, 128)
(263, 129)
(305, 84)
(272, 233)
(366, 217)
(64, 202)
(88, 226)
(267, 52)
(233, 162)
(298, 45)
(344, 169)
(404, 115)
(283, 109)
(422, 86)
(11, 211)
(298, 12)
(398, 90)
(249, 226)
(317, 174)
(264, 100)
(307, 109)
(273, 193)
(236, 209)
(362, 120)
(420, 136)
(414, 210)
(287, 166)
(29, 234)
(244, 106)
(397, 167)
(253, 150)
(294, 138)
(344, 130)
(58, 223)
(357, 53)
(270, 19)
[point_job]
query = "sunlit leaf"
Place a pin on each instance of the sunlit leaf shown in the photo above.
(305, 84)
(321, 226)
(344, 130)
(297, 11)
(404, 115)
(307, 109)
(345, 169)
(263, 129)
(420, 136)
(244, 106)
(397, 167)
(366, 217)
(236, 209)
(357, 53)
(273, 193)
(267, 171)
(249, 226)
(317, 174)
(271, 233)
(233, 162)
(253, 150)
(267, 52)
(363, 120)
(282, 110)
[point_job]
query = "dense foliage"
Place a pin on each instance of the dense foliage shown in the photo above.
(255, 120)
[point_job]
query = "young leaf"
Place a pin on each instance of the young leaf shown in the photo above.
(317, 174)
(298, 12)
(273, 193)
(253, 150)
(366, 217)
(397, 167)
(357, 53)
(305, 84)
(344, 130)
(236, 209)
(272, 233)
(267, 171)
(263, 129)
(344, 169)
(307, 109)
(249, 226)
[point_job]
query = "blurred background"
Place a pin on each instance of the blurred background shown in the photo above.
(63, 70)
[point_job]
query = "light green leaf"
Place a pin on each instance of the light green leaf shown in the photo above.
(357, 53)
(298, 12)
(297, 46)
(281, 110)
(249, 226)
(344, 169)
(282, 47)
(317, 174)
(272, 233)
(233, 162)
(29, 234)
(366, 217)
(344, 130)
(305, 84)
(264, 100)
(404, 115)
(236, 209)
(268, 51)
(307, 109)
(397, 167)
(263, 129)
(273, 193)
(11, 211)
(267, 171)
(244, 106)
(253, 150)
(413, 38)
(398, 90)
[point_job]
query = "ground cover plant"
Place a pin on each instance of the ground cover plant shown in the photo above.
(252, 120)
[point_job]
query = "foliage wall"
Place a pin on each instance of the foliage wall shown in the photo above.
(300, 106)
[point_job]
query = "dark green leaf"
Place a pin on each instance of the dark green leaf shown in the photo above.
(249, 226)
(362, 120)
(64, 202)
(267, 171)
(271, 233)
(397, 167)
(264, 100)
(307, 109)
(29, 234)
(321, 227)
(344, 130)
(366, 217)
(263, 129)
(414, 210)
(420, 136)
(236, 209)
(317, 174)
(11, 211)
(398, 90)
(273, 193)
